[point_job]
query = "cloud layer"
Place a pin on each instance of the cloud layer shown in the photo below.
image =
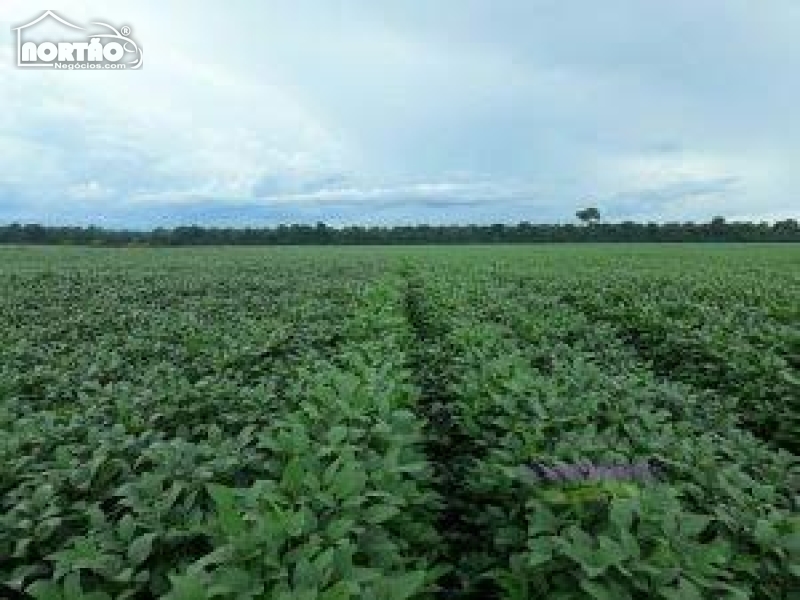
(377, 112)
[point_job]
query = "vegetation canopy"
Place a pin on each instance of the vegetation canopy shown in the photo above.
(340, 423)
(718, 230)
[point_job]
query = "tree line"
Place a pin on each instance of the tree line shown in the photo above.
(717, 230)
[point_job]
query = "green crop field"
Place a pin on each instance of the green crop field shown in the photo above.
(334, 423)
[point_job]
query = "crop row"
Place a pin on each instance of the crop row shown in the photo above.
(736, 351)
(347, 510)
(249, 424)
(718, 523)
(202, 445)
(122, 432)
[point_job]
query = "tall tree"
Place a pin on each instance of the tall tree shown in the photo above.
(588, 215)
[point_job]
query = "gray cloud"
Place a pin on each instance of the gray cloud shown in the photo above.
(655, 201)
(444, 111)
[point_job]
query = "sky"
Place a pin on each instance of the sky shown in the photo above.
(408, 111)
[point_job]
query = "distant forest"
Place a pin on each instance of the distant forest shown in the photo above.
(590, 230)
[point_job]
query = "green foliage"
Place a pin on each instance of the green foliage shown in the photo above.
(526, 376)
(588, 215)
(291, 424)
(717, 230)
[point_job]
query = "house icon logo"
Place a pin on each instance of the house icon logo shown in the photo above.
(109, 48)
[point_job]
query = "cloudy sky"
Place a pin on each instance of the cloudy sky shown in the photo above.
(398, 111)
